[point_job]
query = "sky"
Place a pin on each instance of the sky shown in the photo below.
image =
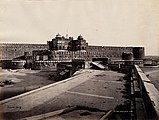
(100, 22)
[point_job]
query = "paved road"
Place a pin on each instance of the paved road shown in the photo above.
(93, 89)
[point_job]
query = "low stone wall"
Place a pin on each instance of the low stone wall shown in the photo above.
(120, 67)
(148, 92)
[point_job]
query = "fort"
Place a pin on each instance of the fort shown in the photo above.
(126, 93)
(63, 48)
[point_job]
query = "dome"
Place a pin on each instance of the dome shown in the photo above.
(58, 36)
(80, 37)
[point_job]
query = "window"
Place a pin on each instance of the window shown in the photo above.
(45, 57)
(37, 57)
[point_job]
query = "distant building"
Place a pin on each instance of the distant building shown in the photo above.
(59, 43)
(61, 49)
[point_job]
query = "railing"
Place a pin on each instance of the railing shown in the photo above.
(149, 93)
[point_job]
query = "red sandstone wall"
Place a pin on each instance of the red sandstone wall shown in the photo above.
(10, 51)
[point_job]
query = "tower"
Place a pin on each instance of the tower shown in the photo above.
(139, 53)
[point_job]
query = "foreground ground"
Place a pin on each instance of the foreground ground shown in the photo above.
(24, 80)
(91, 95)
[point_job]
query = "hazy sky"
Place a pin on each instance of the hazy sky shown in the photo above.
(101, 22)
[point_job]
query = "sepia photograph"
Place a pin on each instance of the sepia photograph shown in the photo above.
(79, 59)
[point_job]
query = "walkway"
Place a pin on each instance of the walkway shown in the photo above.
(98, 89)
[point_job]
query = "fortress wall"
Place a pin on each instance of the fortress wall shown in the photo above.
(109, 51)
(10, 51)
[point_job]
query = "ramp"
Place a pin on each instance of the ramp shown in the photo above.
(98, 65)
